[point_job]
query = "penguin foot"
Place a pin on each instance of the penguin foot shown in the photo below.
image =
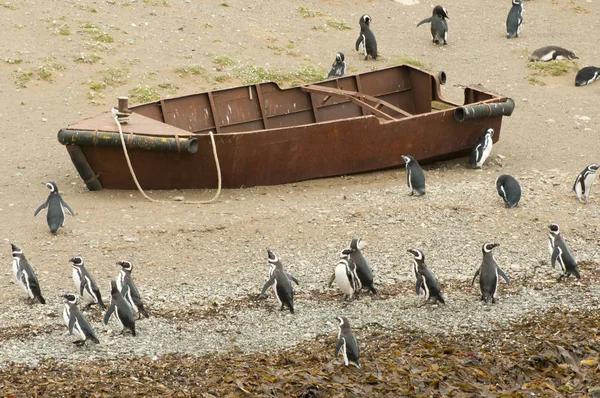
(79, 343)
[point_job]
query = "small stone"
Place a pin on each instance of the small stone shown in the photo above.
(178, 198)
(131, 239)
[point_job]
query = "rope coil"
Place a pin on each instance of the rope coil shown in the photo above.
(123, 118)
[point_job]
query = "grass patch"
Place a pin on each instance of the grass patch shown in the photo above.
(8, 6)
(535, 81)
(308, 13)
(224, 60)
(224, 5)
(13, 61)
(222, 78)
(144, 93)
(64, 30)
(171, 88)
(87, 59)
(406, 59)
(552, 68)
(157, 2)
(255, 75)
(46, 71)
(115, 77)
(192, 70)
(22, 77)
(95, 33)
(332, 23)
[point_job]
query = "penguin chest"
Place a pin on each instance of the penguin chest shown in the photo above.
(66, 314)
(16, 269)
(588, 180)
(56, 213)
(486, 150)
(344, 279)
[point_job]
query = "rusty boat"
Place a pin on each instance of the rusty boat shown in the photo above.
(266, 135)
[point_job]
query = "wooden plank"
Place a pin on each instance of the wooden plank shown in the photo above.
(213, 111)
(356, 97)
(261, 106)
(314, 106)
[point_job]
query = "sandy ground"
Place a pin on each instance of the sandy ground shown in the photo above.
(550, 138)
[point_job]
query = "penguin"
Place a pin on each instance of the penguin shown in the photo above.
(561, 254)
(489, 273)
(272, 267)
(76, 323)
(366, 38)
(363, 271)
(128, 290)
(56, 208)
(481, 150)
(514, 19)
(279, 280)
(346, 276)
(414, 176)
(85, 283)
(25, 274)
(120, 309)
(347, 343)
(338, 68)
(583, 183)
(425, 278)
(439, 25)
(587, 75)
(550, 53)
(509, 190)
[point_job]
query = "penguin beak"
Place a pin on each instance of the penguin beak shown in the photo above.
(496, 245)
(72, 260)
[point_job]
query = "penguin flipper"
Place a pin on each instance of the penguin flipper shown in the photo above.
(42, 207)
(108, 313)
(419, 283)
(331, 280)
(268, 284)
(555, 254)
(359, 40)
(426, 20)
(82, 285)
(475, 277)
(72, 320)
(338, 346)
(66, 206)
(291, 277)
(503, 275)
(99, 296)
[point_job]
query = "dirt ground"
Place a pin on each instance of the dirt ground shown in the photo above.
(64, 60)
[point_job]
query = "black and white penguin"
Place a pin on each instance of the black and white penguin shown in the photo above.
(509, 190)
(280, 282)
(346, 276)
(481, 150)
(583, 183)
(76, 323)
(425, 278)
(56, 208)
(415, 177)
(489, 273)
(129, 290)
(362, 266)
(25, 274)
(514, 19)
(366, 38)
(561, 254)
(120, 309)
(85, 283)
(550, 53)
(439, 25)
(338, 68)
(587, 75)
(347, 343)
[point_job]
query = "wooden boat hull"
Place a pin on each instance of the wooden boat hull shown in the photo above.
(288, 153)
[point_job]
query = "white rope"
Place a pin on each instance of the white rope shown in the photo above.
(137, 184)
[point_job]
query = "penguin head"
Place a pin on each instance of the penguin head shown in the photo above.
(346, 252)
(365, 20)
(554, 229)
(272, 256)
(489, 132)
(126, 265)
(571, 55)
(517, 2)
(343, 321)
(52, 187)
(357, 244)
(16, 249)
(419, 255)
(76, 260)
(487, 247)
(407, 159)
(70, 298)
(593, 167)
(339, 57)
(441, 12)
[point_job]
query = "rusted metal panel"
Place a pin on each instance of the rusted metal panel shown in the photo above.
(293, 147)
